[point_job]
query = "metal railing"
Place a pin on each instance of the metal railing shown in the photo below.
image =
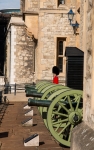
(14, 88)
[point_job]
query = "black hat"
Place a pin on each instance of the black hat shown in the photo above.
(55, 70)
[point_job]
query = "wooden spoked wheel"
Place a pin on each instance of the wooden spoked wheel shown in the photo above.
(64, 113)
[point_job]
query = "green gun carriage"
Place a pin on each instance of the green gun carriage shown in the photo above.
(61, 109)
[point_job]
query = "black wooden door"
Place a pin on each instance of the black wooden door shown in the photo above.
(75, 72)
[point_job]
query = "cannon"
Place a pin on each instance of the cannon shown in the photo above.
(45, 91)
(61, 109)
(33, 89)
(38, 91)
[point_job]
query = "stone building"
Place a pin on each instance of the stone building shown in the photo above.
(36, 39)
(19, 66)
(83, 134)
(49, 24)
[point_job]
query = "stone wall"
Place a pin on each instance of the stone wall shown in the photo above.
(22, 5)
(86, 44)
(89, 68)
(49, 4)
(29, 5)
(53, 4)
(51, 26)
(81, 23)
(19, 55)
(24, 56)
(52, 23)
(35, 5)
(82, 135)
(72, 3)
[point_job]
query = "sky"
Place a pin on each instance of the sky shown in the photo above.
(6, 4)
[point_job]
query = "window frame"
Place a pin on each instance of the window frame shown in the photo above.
(61, 4)
(61, 56)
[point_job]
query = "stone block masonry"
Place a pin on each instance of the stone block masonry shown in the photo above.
(51, 26)
(81, 24)
(88, 69)
(30, 5)
(83, 138)
(24, 56)
(52, 23)
(83, 134)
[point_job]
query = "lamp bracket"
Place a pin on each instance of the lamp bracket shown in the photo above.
(75, 25)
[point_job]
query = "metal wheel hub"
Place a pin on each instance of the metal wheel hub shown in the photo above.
(74, 117)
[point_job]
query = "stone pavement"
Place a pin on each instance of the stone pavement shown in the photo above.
(13, 134)
(19, 97)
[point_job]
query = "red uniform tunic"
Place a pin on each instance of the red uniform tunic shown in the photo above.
(55, 80)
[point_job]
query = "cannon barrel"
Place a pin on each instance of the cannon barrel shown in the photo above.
(30, 86)
(43, 103)
(46, 103)
(38, 95)
(30, 90)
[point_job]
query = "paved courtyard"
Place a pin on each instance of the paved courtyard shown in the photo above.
(13, 134)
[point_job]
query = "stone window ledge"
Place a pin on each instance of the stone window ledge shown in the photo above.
(62, 6)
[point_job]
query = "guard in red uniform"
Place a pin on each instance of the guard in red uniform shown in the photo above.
(55, 71)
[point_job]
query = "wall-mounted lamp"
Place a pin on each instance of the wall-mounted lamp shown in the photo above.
(70, 17)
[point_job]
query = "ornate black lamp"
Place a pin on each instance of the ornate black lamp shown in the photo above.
(70, 17)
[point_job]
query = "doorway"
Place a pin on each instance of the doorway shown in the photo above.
(74, 68)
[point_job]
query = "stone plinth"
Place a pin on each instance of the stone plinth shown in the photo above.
(82, 138)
